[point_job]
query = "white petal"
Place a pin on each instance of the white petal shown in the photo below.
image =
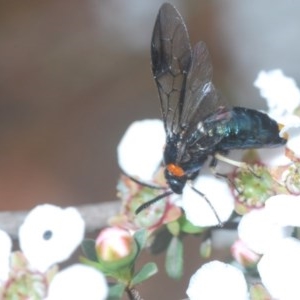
(293, 131)
(273, 157)
(50, 234)
(279, 269)
(280, 91)
(78, 282)
(141, 148)
(5, 250)
(259, 232)
(217, 280)
(217, 192)
(289, 122)
(284, 210)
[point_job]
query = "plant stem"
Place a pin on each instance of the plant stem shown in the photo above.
(133, 294)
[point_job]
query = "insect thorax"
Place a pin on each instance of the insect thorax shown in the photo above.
(181, 164)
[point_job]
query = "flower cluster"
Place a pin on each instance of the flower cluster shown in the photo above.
(261, 199)
(48, 236)
(258, 195)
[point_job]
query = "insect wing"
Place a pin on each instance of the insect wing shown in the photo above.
(203, 108)
(198, 84)
(171, 58)
(189, 101)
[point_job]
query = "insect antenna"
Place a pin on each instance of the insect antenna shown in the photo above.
(152, 186)
(150, 202)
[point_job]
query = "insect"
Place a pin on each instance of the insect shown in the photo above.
(199, 124)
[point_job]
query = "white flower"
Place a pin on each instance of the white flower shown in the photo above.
(78, 282)
(273, 157)
(140, 154)
(217, 192)
(260, 232)
(292, 129)
(140, 149)
(277, 156)
(50, 234)
(5, 250)
(284, 210)
(283, 98)
(279, 269)
(281, 92)
(216, 280)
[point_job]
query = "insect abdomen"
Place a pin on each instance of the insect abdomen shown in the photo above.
(250, 128)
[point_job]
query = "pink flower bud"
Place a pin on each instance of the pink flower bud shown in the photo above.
(242, 254)
(115, 244)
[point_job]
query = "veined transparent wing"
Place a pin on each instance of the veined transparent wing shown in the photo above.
(203, 108)
(171, 59)
(191, 106)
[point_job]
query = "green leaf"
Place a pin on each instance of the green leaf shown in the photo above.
(161, 241)
(116, 291)
(147, 271)
(121, 274)
(89, 249)
(187, 227)
(206, 248)
(92, 263)
(174, 258)
(141, 238)
(174, 228)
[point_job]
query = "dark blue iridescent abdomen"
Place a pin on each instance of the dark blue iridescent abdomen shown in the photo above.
(250, 128)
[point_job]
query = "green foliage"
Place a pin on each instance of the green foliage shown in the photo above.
(161, 240)
(141, 238)
(147, 271)
(116, 291)
(174, 258)
(89, 249)
(205, 248)
(187, 227)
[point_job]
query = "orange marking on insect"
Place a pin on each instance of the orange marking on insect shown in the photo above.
(175, 170)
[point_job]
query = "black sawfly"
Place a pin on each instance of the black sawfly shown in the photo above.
(199, 124)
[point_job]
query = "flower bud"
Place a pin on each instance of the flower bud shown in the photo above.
(244, 255)
(115, 247)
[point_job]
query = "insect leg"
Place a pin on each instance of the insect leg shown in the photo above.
(212, 167)
(208, 202)
(239, 164)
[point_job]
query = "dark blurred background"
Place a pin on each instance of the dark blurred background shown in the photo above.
(74, 74)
